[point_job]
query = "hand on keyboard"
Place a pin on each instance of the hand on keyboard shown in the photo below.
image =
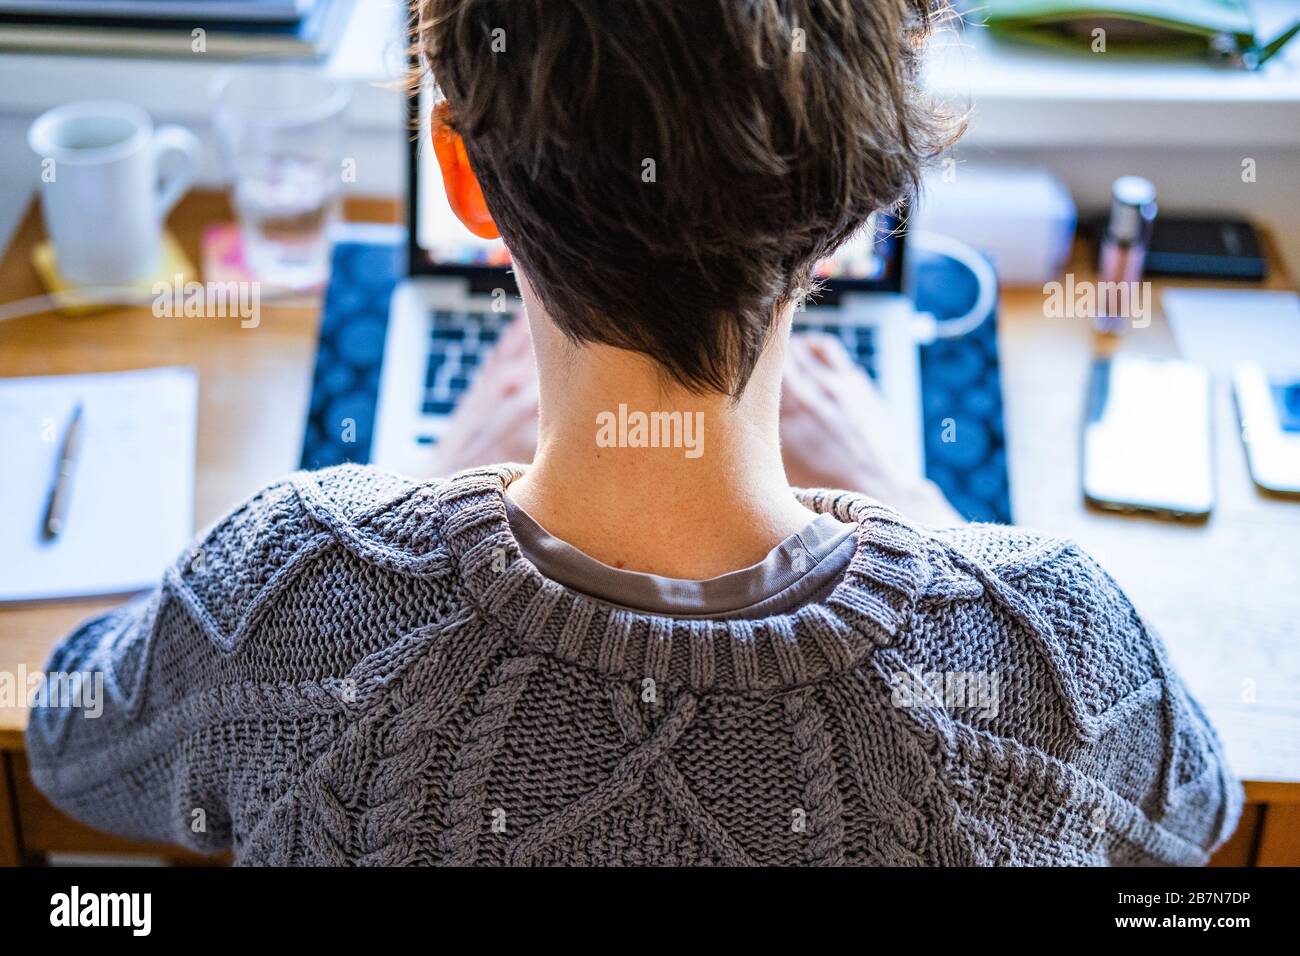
(836, 432)
(496, 419)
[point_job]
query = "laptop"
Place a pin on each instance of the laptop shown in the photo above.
(459, 295)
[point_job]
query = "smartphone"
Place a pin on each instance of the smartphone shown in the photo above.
(1147, 443)
(1206, 249)
(1268, 406)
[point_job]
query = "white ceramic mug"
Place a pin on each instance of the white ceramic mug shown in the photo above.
(108, 181)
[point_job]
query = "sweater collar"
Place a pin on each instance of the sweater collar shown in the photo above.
(865, 610)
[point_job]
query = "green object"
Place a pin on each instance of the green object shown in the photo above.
(1222, 29)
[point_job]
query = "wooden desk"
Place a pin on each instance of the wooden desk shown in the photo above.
(1223, 594)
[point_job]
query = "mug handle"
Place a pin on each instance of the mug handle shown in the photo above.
(174, 184)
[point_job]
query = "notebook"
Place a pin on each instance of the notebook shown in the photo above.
(1220, 328)
(131, 507)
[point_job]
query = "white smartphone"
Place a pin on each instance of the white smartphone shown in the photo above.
(1147, 442)
(1268, 407)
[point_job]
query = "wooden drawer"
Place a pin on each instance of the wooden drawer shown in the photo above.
(41, 828)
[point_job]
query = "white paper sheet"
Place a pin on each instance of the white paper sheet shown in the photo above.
(131, 511)
(1218, 328)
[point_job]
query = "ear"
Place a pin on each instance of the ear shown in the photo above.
(463, 191)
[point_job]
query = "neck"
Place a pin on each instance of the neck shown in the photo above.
(711, 498)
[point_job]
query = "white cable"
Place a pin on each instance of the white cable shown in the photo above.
(94, 296)
(930, 328)
(90, 296)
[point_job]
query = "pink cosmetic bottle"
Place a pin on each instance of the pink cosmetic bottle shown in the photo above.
(1124, 245)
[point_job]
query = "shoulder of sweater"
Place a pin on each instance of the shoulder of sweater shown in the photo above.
(1050, 585)
(251, 555)
(1008, 549)
(1042, 611)
(1041, 669)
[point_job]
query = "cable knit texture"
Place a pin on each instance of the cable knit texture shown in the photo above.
(353, 668)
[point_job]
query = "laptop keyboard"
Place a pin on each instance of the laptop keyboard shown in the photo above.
(459, 339)
(859, 340)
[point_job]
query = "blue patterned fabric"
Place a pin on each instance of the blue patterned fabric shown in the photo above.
(354, 321)
(961, 398)
(961, 384)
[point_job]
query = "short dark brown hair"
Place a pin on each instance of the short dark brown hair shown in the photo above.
(667, 172)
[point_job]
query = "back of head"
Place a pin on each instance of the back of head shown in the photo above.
(667, 172)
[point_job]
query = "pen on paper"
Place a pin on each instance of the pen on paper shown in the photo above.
(56, 508)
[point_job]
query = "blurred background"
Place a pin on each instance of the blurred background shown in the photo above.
(1088, 119)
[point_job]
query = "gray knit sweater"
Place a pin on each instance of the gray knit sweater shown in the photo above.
(353, 668)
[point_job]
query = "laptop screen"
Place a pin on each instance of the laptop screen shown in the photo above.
(870, 261)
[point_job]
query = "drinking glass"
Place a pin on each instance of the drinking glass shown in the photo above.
(280, 130)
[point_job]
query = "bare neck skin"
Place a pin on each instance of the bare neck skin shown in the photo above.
(683, 512)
